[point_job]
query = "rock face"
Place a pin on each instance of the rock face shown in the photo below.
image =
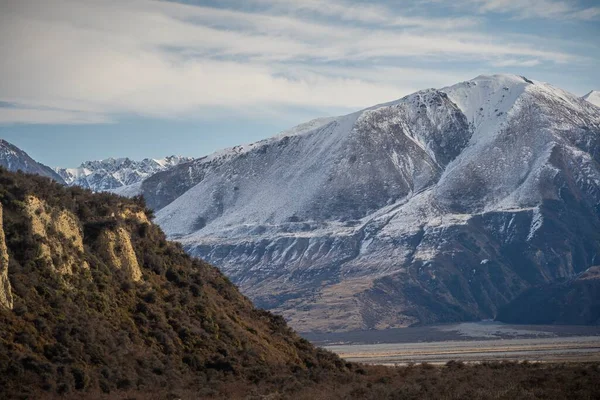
(442, 206)
(121, 174)
(573, 301)
(14, 159)
(6, 299)
(117, 248)
(60, 235)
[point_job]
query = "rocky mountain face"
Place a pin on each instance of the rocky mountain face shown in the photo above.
(442, 206)
(593, 97)
(15, 159)
(572, 301)
(95, 302)
(119, 175)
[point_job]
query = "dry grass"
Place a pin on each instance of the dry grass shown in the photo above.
(505, 380)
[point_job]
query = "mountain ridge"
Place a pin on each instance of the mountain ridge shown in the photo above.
(116, 173)
(339, 207)
(15, 159)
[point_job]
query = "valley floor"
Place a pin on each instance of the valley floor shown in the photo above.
(573, 349)
(467, 342)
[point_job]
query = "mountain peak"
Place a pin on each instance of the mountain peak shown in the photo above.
(593, 97)
(503, 77)
(14, 159)
(487, 99)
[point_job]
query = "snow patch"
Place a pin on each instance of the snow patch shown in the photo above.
(536, 223)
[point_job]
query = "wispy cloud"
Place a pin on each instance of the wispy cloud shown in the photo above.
(17, 115)
(516, 63)
(87, 61)
(370, 13)
(549, 9)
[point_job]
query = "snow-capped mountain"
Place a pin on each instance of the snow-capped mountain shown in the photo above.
(15, 159)
(116, 174)
(442, 206)
(593, 97)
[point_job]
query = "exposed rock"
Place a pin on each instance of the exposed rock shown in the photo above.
(64, 252)
(137, 215)
(6, 298)
(116, 247)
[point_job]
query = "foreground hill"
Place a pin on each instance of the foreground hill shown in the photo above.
(94, 299)
(442, 206)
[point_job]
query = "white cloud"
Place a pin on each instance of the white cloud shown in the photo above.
(89, 60)
(550, 9)
(17, 115)
(366, 12)
(516, 63)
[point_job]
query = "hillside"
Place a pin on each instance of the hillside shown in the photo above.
(442, 206)
(94, 299)
(574, 301)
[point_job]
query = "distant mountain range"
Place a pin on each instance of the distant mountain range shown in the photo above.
(111, 174)
(446, 205)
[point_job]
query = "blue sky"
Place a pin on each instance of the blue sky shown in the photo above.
(91, 79)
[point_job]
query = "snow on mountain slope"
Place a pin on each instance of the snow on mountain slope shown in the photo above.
(339, 171)
(593, 97)
(382, 218)
(111, 174)
(15, 159)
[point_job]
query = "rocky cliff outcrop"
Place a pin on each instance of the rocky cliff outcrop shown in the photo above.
(6, 298)
(61, 238)
(117, 249)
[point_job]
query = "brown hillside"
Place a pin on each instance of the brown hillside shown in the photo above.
(94, 299)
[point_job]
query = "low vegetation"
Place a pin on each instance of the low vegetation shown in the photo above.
(496, 380)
